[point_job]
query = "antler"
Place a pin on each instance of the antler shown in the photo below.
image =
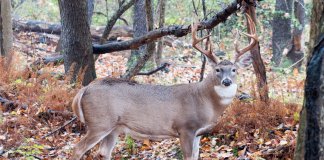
(253, 36)
(196, 40)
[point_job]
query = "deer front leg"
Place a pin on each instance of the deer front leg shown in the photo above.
(189, 145)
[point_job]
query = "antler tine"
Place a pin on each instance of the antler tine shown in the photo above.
(253, 36)
(196, 40)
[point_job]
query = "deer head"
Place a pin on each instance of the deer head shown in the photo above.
(225, 71)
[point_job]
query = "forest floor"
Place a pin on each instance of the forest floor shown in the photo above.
(41, 99)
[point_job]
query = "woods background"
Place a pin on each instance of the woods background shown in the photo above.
(51, 48)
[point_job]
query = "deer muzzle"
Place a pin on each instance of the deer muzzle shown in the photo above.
(226, 82)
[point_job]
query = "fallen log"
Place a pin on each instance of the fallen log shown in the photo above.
(55, 60)
(53, 28)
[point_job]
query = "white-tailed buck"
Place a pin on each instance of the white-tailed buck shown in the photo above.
(110, 107)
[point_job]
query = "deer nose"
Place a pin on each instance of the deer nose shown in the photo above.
(226, 82)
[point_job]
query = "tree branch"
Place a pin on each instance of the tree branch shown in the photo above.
(162, 67)
(114, 18)
(176, 30)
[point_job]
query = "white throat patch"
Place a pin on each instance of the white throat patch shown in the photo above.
(226, 93)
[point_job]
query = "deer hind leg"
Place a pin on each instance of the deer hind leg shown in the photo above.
(187, 145)
(196, 147)
(107, 145)
(90, 140)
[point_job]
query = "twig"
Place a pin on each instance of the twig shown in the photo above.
(100, 13)
(65, 124)
(155, 70)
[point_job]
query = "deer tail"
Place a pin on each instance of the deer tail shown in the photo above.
(76, 105)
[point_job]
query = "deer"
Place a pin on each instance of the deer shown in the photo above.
(110, 107)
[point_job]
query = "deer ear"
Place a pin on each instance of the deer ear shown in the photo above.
(244, 61)
(211, 61)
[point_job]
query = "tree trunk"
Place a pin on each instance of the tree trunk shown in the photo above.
(203, 58)
(6, 29)
(90, 8)
(140, 29)
(76, 41)
(2, 53)
(296, 54)
(150, 49)
(310, 142)
(314, 104)
(281, 29)
(258, 65)
(161, 13)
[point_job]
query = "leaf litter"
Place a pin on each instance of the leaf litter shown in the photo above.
(248, 129)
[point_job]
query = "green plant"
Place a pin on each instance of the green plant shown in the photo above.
(179, 154)
(235, 152)
(130, 144)
(28, 151)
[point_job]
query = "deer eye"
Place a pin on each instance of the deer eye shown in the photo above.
(217, 70)
(233, 70)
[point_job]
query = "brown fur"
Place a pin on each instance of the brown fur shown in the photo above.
(110, 107)
(113, 81)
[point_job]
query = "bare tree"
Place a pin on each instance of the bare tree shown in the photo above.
(76, 40)
(6, 27)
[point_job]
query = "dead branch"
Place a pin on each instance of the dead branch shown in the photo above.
(56, 60)
(113, 20)
(162, 67)
(59, 128)
(52, 28)
(176, 30)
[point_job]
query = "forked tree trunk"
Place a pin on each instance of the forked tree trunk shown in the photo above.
(310, 142)
(139, 57)
(6, 27)
(281, 29)
(258, 64)
(76, 40)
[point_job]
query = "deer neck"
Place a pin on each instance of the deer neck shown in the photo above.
(216, 94)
